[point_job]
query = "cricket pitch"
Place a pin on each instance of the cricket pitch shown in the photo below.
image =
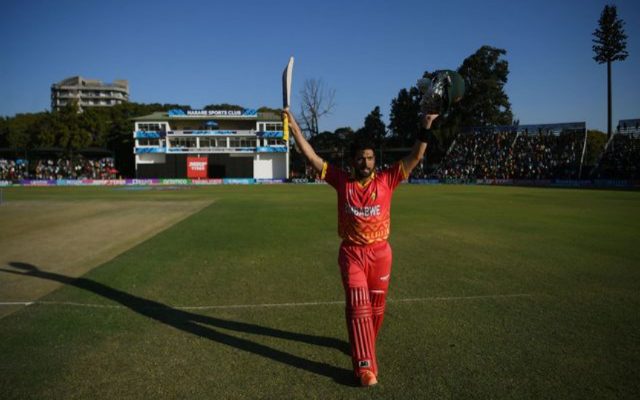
(73, 237)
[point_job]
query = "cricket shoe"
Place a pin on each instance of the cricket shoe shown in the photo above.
(368, 378)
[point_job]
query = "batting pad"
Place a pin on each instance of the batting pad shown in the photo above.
(361, 332)
(377, 307)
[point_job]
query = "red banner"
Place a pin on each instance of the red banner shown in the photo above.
(197, 167)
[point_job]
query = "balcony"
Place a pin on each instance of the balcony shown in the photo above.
(218, 132)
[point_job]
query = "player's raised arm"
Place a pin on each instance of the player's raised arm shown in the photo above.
(440, 91)
(304, 146)
(420, 146)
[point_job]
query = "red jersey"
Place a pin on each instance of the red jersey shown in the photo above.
(364, 209)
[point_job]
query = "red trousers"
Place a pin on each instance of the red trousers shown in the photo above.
(366, 271)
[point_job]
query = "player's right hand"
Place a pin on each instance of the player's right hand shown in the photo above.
(293, 124)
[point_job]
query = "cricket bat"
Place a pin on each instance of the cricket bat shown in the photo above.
(286, 96)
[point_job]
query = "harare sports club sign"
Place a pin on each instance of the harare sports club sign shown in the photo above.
(245, 113)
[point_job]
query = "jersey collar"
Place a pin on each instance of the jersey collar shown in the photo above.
(365, 182)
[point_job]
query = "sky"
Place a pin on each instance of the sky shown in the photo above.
(206, 52)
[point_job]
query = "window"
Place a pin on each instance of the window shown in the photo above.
(207, 142)
(269, 126)
(148, 142)
(248, 142)
(152, 127)
(184, 142)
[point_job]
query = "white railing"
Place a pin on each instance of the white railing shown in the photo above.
(212, 132)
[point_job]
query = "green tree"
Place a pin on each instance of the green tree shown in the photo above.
(96, 122)
(19, 130)
(485, 102)
(69, 130)
(344, 135)
(4, 130)
(403, 117)
(596, 141)
(109, 128)
(224, 106)
(610, 45)
(48, 129)
(374, 127)
(269, 110)
(405, 122)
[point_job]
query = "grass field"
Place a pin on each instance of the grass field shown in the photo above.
(496, 292)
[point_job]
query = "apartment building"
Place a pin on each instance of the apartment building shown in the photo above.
(88, 93)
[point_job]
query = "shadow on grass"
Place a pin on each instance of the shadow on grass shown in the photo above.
(195, 324)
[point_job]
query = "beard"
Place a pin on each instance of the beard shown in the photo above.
(363, 173)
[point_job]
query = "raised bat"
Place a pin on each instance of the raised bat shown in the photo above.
(286, 96)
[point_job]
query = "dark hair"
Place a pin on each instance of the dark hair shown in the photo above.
(360, 144)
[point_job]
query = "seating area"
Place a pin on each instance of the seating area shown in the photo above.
(59, 168)
(621, 158)
(504, 154)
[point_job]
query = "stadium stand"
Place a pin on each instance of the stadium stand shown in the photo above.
(504, 153)
(13, 170)
(478, 154)
(534, 152)
(621, 156)
(61, 168)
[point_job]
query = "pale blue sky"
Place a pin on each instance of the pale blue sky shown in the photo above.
(203, 52)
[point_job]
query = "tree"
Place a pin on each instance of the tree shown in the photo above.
(224, 106)
(49, 127)
(95, 121)
(316, 101)
(610, 45)
(374, 127)
(485, 102)
(4, 131)
(72, 136)
(405, 123)
(269, 110)
(596, 141)
(19, 130)
(344, 135)
(404, 119)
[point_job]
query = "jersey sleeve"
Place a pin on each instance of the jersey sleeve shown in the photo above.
(331, 174)
(395, 174)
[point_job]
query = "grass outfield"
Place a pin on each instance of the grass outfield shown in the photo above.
(496, 292)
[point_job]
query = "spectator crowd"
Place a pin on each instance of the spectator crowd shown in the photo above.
(477, 155)
(508, 155)
(61, 168)
(13, 170)
(621, 159)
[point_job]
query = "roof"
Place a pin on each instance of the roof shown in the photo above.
(80, 81)
(156, 116)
